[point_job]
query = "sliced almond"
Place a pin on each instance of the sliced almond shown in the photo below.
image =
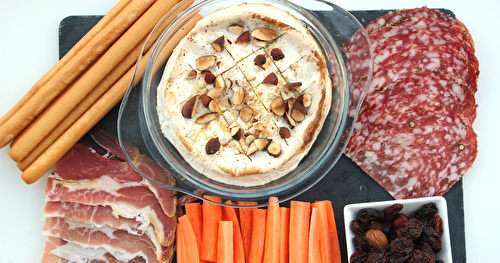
(205, 62)
(305, 99)
(271, 79)
(236, 133)
(252, 149)
(238, 95)
(267, 64)
(289, 120)
(246, 114)
(278, 106)
(292, 86)
(243, 38)
(206, 118)
(298, 112)
(274, 149)
(235, 29)
(212, 106)
(261, 143)
(214, 93)
(250, 138)
(277, 54)
(192, 74)
(219, 82)
(212, 146)
(205, 100)
(229, 83)
(259, 43)
(284, 133)
(189, 107)
(264, 34)
(289, 105)
(218, 44)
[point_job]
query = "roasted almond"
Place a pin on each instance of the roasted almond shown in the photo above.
(219, 82)
(376, 238)
(192, 74)
(274, 149)
(218, 44)
(250, 138)
(243, 38)
(292, 86)
(205, 100)
(264, 34)
(209, 77)
(246, 114)
(278, 106)
(229, 83)
(205, 62)
(235, 29)
(289, 120)
(277, 54)
(238, 95)
(298, 112)
(215, 93)
(284, 133)
(259, 43)
(252, 149)
(236, 133)
(261, 143)
(190, 106)
(212, 146)
(289, 105)
(305, 99)
(212, 106)
(206, 118)
(271, 79)
(260, 60)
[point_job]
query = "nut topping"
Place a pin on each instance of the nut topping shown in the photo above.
(261, 143)
(284, 133)
(205, 62)
(264, 34)
(246, 114)
(278, 106)
(271, 79)
(298, 112)
(209, 77)
(289, 120)
(289, 105)
(214, 93)
(192, 74)
(212, 146)
(274, 149)
(238, 95)
(229, 83)
(235, 29)
(305, 99)
(212, 106)
(260, 60)
(292, 86)
(252, 149)
(219, 82)
(236, 133)
(218, 44)
(243, 38)
(277, 54)
(205, 100)
(294, 66)
(189, 107)
(259, 43)
(206, 118)
(250, 138)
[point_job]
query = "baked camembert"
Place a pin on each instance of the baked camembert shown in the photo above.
(245, 94)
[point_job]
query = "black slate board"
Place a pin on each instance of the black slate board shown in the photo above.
(345, 184)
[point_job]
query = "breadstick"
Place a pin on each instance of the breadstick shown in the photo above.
(69, 72)
(71, 53)
(89, 80)
(114, 95)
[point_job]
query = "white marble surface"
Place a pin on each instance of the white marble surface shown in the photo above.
(29, 48)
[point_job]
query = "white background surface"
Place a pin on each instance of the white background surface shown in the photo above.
(29, 48)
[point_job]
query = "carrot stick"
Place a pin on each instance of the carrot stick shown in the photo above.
(88, 120)
(299, 231)
(112, 14)
(72, 70)
(258, 235)
(225, 247)
(272, 244)
(195, 215)
(212, 214)
(325, 237)
(230, 214)
(333, 231)
(284, 233)
(180, 246)
(245, 215)
(314, 238)
(190, 243)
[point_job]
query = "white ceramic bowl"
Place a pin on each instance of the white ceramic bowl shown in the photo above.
(410, 206)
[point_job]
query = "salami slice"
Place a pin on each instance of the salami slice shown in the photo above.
(415, 152)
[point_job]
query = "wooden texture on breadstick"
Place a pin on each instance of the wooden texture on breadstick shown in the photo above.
(93, 96)
(114, 95)
(90, 79)
(73, 68)
(71, 53)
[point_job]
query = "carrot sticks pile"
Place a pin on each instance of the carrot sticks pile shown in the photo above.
(305, 232)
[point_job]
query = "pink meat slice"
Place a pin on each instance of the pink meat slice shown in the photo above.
(415, 152)
(117, 242)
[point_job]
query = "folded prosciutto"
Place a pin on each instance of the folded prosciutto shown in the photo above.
(99, 209)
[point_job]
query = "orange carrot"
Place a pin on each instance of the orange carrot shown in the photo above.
(326, 240)
(258, 236)
(245, 215)
(284, 233)
(299, 231)
(190, 244)
(225, 242)
(212, 214)
(230, 214)
(195, 215)
(180, 246)
(333, 231)
(314, 255)
(272, 243)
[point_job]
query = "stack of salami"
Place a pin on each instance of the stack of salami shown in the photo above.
(413, 134)
(99, 209)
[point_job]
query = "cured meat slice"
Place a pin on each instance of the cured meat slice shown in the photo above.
(415, 152)
(431, 88)
(118, 243)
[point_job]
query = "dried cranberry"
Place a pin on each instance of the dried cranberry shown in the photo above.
(426, 210)
(432, 238)
(369, 214)
(401, 246)
(436, 222)
(391, 211)
(410, 229)
(358, 257)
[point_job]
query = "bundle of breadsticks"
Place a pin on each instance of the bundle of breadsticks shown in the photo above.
(87, 83)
